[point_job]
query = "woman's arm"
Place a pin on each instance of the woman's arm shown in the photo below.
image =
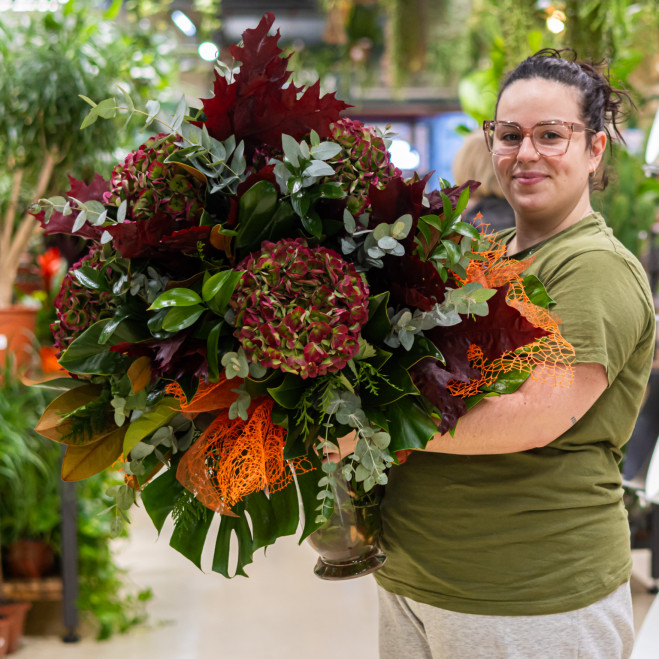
(535, 415)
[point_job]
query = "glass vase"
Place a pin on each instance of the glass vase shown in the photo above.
(347, 543)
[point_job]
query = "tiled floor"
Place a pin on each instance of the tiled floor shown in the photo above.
(281, 611)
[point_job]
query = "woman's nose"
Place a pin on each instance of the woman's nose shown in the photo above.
(527, 149)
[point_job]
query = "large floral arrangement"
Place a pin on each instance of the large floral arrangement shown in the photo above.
(261, 281)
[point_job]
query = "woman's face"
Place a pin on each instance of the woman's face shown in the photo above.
(542, 189)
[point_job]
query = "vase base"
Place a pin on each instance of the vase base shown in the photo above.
(350, 569)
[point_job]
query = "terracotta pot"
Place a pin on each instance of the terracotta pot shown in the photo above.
(15, 612)
(17, 325)
(5, 631)
(29, 559)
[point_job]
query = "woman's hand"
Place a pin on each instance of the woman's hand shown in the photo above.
(346, 447)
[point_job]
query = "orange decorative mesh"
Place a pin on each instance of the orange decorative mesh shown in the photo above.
(210, 396)
(552, 352)
(234, 458)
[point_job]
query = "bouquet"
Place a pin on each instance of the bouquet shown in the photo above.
(261, 281)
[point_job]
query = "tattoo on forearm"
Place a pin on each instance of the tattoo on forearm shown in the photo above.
(574, 420)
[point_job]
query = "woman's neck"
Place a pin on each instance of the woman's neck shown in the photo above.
(529, 233)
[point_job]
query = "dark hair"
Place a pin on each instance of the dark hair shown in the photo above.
(601, 104)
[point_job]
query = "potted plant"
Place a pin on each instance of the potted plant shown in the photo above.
(47, 61)
(29, 484)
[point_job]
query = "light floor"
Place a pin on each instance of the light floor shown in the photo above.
(282, 611)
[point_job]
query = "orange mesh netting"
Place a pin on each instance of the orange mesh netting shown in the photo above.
(234, 458)
(552, 352)
(210, 396)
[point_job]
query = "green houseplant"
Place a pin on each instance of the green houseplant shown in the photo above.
(46, 62)
(30, 509)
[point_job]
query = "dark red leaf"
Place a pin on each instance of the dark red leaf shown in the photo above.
(59, 223)
(431, 379)
(503, 329)
(261, 103)
(435, 197)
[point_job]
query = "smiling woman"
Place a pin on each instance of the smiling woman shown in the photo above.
(509, 539)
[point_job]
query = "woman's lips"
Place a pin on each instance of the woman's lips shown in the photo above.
(529, 178)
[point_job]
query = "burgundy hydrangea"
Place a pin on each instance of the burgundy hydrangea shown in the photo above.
(363, 161)
(77, 306)
(299, 309)
(151, 186)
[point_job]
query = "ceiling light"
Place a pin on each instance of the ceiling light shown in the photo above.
(183, 23)
(208, 51)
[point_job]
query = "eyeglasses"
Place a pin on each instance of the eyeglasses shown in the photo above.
(549, 138)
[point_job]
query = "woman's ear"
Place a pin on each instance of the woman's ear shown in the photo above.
(597, 147)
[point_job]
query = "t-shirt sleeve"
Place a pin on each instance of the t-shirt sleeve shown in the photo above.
(601, 306)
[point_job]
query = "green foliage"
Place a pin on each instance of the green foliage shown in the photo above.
(46, 62)
(29, 473)
(30, 508)
(103, 592)
(629, 203)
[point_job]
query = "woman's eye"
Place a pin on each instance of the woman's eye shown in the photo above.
(509, 137)
(551, 136)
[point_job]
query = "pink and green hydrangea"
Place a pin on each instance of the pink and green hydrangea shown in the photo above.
(299, 309)
(152, 186)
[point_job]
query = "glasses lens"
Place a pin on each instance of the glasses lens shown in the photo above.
(504, 139)
(551, 139)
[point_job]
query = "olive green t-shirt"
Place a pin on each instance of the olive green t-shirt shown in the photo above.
(540, 531)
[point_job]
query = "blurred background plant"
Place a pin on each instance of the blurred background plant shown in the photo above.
(30, 510)
(46, 61)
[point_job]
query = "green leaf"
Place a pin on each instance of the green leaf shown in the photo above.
(190, 541)
(106, 108)
(288, 393)
(91, 278)
(537, 292)
(468, 230)
(255, 211)
(507, 383)
(160, 496)
(178, 318)
(149, 422)
(86, 355)
(212, 352)
(90, 118)
(410, 426)
(286, 509)
(308, 488)
(378, 325)
(291, 149)
(176, 297)
(264, 524)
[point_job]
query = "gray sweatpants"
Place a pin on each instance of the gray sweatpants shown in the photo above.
(603, 630)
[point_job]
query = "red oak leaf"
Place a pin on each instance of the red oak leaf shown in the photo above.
(503, 329)
(261, 103)
(431, 379)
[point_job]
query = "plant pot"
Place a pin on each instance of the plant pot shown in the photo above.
(15, 612)
(29, 559)
(5, 632)
(17, 325)
(347, 543)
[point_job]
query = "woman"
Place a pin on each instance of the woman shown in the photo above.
(510, 539)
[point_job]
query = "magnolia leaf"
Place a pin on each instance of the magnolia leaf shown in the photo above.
(139, 373)
(176, 297)
(81, 462)
(179, 318)
(51, 424)
(149, 422)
